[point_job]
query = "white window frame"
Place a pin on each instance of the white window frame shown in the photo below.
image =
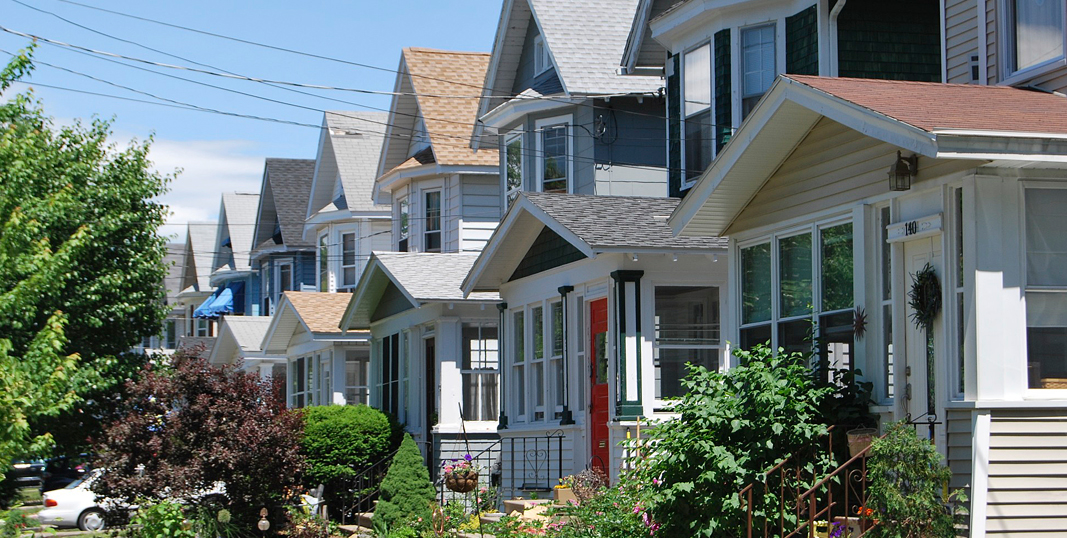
(325, 378)
(425, 219)
(362, 385)
(1034, 393)
(1006, 48)
(295, 379)
(403, 203)
(887, 353)
(277, 275)
(686, 182)
(517, 392)
(515, 135)
(554, 360)
(322, 263)
(266, 280)
(539, 126)
(659, 403)
(341, 283)
(542, 59)
(739, 72)
(488, 348)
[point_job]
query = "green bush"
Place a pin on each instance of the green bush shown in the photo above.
(407, 493)
(907, 487)
(339, 442)
(164, 519)
(732, 427)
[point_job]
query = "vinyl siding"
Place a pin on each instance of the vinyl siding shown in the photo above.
(832, 166)
(1027, 473)
(542, 468)
(961, 39)
(991, 41)
(480, 211)
(451, 211)
(960, 436)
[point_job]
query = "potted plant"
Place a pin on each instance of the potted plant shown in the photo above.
(563, 492)
(859, 439)
(461, 475)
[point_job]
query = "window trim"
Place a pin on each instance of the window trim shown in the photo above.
(464, 371)
(322, 263)
(739, 55)
(339, 282)
(539, 143)
(365, 388)
(423, 197)
(277, 276)
(542, 58)
(688, 183)
(659, 404)
(1030, 393)
(1006, 49)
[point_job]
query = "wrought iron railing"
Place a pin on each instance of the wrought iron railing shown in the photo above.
(488, 463)
(365, 487)
(536, 463)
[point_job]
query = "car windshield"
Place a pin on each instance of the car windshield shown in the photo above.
(75, 483)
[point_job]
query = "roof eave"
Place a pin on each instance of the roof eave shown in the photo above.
(515, 109)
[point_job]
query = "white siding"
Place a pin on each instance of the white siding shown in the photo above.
(960, 441)
(451, 209)
(480, 199)
(961, 39)
(991, 41)
(525, 462)
(1028, 473)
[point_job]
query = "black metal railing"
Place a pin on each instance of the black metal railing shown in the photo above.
(488, 463)
(365, 487)
(536, 463)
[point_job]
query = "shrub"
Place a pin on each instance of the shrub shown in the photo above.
(732, 427)
(164, 519)
(907, 485)
(340, 441)
(407, 493)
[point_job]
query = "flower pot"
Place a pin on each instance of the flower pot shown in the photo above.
(859, 439)
(565, 496)
(462, 483)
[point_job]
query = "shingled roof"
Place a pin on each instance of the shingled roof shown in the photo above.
(284, 202)
(349, 149)
(237, 216)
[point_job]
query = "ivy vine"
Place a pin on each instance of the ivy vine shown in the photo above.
(925, 297)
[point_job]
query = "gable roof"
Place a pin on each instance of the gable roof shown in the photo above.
(585, 40)
(641, 51)
(239, 333)
(199, 253)
(174, 261)
(421, 277)
(942, 121)
(350, 145)
(592, 224)
(237, 217)
(284, 199)
(316, 312)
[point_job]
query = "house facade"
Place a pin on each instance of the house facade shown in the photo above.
(196, 288)
(602, 307)
(232, 276)
(719, 58)
(562, 116)
(342, 219)
(817, 235)
(240, 344)
(284, 258)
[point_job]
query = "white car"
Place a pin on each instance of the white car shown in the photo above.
(75, 506)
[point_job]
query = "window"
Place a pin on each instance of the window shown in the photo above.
(757, 65)
(541, 59)
(403, 224)
(432, 235)
(171, 334)
(513, 167)
(357, 367)
(480, 372)
(696, 72)
(389, 381)
(961, 326)
(686, 331)
(1046, 282)
(580, 354)
(264, 284)
(886, 302)
(298, 375)
(348, 260)
(203, 327)
(554, 163)
(326, 388)
(518, 349)
(801, 261)
(284, 271)
(324, 263)
(1036, 30)
(555, 357)
(537, 362)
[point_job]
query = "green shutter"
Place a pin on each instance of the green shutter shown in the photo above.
(674, 127)
(723, 105)
(802, 42)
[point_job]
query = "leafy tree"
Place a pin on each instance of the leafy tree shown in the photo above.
(340, 441)
(80, 263)
(193, 425)
(732, 427)
(407, 493)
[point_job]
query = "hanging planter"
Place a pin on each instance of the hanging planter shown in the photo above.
(925, 297)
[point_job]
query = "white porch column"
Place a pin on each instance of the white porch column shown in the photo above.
(266, 369)
(337, 366)
(450, 377)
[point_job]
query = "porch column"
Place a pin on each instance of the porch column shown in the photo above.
(567, 417)
(502, 361)
(628, 344)
(265, 371)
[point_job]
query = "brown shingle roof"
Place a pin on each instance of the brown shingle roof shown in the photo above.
(934, 106)
(321, 312)
(450, 121)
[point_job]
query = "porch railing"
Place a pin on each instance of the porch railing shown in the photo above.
(790, 501)
(536, 463)
(365, 487)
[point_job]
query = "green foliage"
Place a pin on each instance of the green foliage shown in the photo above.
(620, 511)
(80, 262)
(907, 487)
(732, 427)
(303, 524)
(406, 492)
(164, 519)
(339, 442)
(15, 524)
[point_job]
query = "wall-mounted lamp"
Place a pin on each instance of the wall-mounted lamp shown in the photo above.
(674, 257)
(635, 257)
(902, 171)
(714, 258)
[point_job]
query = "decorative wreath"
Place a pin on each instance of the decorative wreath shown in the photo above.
(925, 297)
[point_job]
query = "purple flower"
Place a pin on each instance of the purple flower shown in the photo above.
(468, 457)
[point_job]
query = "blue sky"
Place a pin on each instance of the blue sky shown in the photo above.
(219, 153)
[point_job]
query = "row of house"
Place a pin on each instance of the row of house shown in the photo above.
(520, 257)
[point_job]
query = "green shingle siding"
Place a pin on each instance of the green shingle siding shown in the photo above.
(548, 251)
(898, 40)
(674, 128)
(802, 42)
(723, 104)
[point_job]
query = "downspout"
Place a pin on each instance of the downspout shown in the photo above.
(834, 12)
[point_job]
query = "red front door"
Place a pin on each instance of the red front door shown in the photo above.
(598, 384)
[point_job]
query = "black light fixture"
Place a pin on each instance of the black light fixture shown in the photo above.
(903, 169)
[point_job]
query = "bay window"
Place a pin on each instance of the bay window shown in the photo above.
(432, 222)
(757, 65)
(403, 213)
(1046, 288)
(324, 264)
(811, 272)
(554, 164)
(686, 331)
(1036, 33)
(480, 372)
(696, 88)
(348, 261)
(513, 167)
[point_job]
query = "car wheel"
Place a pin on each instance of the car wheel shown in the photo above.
(92, 520)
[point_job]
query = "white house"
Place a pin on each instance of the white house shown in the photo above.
(196, 288)
(803, 192)
(240, 342)
(603, 308)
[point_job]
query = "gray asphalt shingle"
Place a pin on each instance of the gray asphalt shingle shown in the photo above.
(432, 276)
(288, 184)
(357, 139)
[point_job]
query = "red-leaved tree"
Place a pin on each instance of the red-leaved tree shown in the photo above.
(190, 425)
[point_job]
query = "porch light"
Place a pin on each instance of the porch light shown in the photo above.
(903, 169)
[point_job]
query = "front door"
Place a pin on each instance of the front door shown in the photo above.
(598, 384)
(923, 347)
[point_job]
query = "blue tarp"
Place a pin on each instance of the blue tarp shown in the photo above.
(222, 302)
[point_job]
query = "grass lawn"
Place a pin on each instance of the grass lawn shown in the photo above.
(30, 495)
